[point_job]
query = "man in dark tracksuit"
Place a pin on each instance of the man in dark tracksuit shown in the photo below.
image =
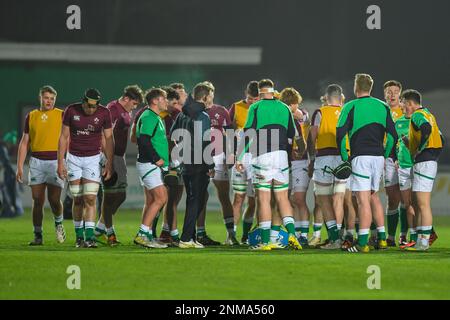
(196, 170)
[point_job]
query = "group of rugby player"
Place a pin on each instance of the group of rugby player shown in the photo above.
(370, 139)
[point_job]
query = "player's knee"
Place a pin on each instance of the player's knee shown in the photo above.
(89, 200)
(78, 201)
(38, 202)
(160, 196)
(55, 204)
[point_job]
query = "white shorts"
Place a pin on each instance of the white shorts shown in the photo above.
(299, 181)
(322, 169)
(424, 174)
(271, 166)
(221, 172)
(150, 175)
(44, 171)
(405, 178)
(120, 167)
(390, 173)
(367, 172)
(242, 181)
(84, 167)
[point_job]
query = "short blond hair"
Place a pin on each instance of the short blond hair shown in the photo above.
(363, 82)
(290, 96)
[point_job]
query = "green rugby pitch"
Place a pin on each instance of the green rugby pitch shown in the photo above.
(131, 272)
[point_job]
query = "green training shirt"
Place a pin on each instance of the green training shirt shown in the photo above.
(403, 155)
(272, 115)
(366, 120)
(151, 138)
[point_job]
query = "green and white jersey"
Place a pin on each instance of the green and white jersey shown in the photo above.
(151, 138)
(274, 125)
(366, 120)
(403, 155)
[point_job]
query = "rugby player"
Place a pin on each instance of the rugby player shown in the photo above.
(299, 167)
(405, 163)
(114, 195)
(83, 126)
(270, 117)
(367, 153)
(241, 181)
(324, 159)
(153, 159)
(392, 91)
(169, 233)
(40, 134)
(425, 144)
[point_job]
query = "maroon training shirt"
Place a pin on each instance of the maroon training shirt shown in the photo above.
(121, 120)
(86, 131)
(220, 118)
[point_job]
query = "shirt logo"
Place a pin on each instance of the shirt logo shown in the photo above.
(217, 116)
(90, 128)
(96, 120)
(76, 118)
(44, 117)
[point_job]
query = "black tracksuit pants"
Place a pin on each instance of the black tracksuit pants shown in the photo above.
(196, 186)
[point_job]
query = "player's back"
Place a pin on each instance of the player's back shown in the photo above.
(368, 119)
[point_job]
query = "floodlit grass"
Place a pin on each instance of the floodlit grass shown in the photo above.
(131, 272)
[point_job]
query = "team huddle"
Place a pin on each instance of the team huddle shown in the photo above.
(266, 146)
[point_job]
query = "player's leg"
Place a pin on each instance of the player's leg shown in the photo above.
(301, 216)
(54, 199)
(350, 220)
(378, 218)
(406, 208)
(338, 204)
(323, 189)
(223, 193)
(112, 199)
(406, 198)
(316, 238)
(170, 229)
(90, 191)
(276, 223)
(155, 194)
(286, 212)
(300, 182)
(249, 215)
(264, 216)
(360, 182)
(393, 197)
(54, 188)
(37, 210)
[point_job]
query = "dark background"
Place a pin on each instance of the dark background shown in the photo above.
(305, 44)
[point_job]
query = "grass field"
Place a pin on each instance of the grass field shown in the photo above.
(130, 272)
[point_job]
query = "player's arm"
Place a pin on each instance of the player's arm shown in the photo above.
(133, 138)
(62, 149)
(21, 155)
(245, 143)
(229, 139)
(421, 124)
(109, 152)
(345, 123)
(232, 112)
(298, 136)
(391, 134)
